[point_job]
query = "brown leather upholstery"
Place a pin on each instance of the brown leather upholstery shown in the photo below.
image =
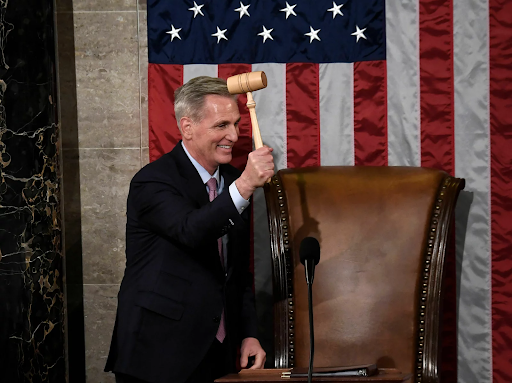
(376, 294)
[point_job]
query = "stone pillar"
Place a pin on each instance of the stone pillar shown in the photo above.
(105, 142)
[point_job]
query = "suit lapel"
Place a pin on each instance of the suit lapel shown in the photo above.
(193, 183)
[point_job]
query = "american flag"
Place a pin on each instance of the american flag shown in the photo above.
(370, 82)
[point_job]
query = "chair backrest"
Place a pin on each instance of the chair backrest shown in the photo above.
(383, 233)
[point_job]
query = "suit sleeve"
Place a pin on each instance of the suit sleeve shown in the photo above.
(172, 214)
(249, 326)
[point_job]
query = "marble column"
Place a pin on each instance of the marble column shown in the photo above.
(31, 261)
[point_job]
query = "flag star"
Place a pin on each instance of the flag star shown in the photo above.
(289, 10)
(220, 34)
(359, 33)
(174, 32)
(243, 10)
(335, 9)
(313, 34)
(266, 34)
(197, 9)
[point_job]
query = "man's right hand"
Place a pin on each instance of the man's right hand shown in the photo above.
(259, 168)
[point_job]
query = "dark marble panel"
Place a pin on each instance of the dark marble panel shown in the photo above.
(31, 307)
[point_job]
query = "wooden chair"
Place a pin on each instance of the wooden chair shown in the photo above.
(383, 233)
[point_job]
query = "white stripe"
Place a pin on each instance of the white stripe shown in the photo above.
(402, 61)
(472, 162)
(336, 114)
(195, 70)
(271, 110)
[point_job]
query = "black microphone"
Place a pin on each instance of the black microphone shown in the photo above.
(309, 253)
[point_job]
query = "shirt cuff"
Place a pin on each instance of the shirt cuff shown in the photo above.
(239, 201)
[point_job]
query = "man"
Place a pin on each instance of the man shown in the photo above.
(186, 300)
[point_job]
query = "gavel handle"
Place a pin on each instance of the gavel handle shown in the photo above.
(256, 134)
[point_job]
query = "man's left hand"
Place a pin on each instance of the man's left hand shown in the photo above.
(252, 347)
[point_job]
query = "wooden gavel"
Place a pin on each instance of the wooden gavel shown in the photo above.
(247, 83)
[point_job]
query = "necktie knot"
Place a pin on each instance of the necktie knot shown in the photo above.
(212, 188)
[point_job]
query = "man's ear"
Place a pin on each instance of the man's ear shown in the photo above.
(186, 127)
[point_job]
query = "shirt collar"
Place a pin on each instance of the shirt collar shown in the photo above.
(203, 173)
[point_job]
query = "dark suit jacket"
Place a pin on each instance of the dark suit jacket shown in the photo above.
(174, 288)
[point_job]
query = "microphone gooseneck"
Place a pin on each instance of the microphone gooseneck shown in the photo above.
(309, 253)
(311, 332)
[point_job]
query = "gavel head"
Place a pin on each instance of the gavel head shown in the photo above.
(247, 82)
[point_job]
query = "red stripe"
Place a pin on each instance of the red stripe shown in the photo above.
(302, 115)
(163, 80)
(244, 145)
(436, 84)
(437, 143)
(370, 114)
(501, 186)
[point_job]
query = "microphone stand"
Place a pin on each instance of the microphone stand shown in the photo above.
(309, 279)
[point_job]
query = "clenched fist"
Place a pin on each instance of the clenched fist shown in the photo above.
(259, 168)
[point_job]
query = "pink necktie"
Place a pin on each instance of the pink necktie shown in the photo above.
(212, 193)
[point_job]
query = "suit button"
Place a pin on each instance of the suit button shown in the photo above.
(216, 319)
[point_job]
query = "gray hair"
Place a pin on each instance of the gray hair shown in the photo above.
(189, 98)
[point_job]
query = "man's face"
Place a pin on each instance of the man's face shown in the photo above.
(210, 141)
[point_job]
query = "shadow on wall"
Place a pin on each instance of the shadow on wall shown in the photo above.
(71, 210)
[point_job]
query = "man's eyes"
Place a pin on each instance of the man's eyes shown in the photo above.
(223, 125)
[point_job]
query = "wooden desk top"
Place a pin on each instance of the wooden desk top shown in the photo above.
(274, 375)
